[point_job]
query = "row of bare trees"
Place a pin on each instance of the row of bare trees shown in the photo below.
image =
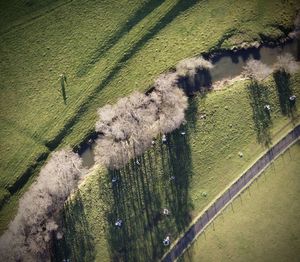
(29, 234)
(129, 127)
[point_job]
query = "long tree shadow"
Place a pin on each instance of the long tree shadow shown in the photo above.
(180, 165)
(284, 91)
(259, 102)
(63, 90)
(77, 243)
(102, 48)
(178, 8)
(150, 199)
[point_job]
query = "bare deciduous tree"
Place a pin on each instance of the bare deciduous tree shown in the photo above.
(188, 68)
(171, 102)
(286, 63)
(29, 234)
(256, 70)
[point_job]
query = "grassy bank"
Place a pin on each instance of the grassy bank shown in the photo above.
(183, 176)
(263, 224)
(106, 49)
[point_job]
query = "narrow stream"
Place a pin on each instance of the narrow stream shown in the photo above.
(230, 64)
(88, 156)
(226, 66)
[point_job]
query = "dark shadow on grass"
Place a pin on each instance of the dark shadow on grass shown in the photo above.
(102, 48)
(63, 82)
(180, 7)
(258, 95)
(180, 165)
(284, 91)
(158, 179)
(77, 243)
(192, 114)
(63, 92)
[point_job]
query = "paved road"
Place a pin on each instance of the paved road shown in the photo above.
(232, 192)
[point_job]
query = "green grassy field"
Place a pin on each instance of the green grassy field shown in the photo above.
(107, 49)
(203, 163)
(264, 222)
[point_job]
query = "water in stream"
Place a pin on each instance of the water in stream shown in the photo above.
(228, 65)
(231, 63)
(88, 156)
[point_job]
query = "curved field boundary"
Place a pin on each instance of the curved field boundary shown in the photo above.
(242, 183)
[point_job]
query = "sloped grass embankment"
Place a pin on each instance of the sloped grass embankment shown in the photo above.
(184, 176)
